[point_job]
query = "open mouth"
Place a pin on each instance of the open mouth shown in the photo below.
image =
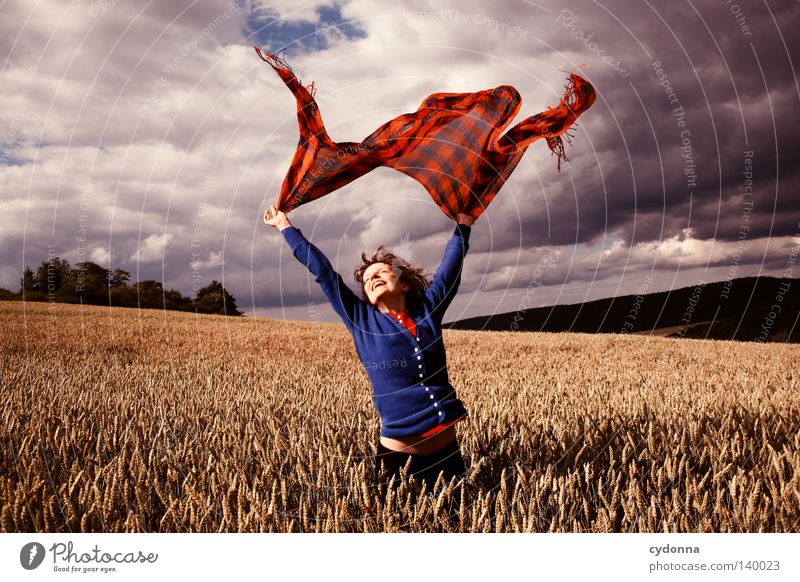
(376, 285)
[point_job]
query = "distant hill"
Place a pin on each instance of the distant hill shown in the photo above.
(746, 309)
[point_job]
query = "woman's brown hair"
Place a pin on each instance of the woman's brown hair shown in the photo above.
(410, 273)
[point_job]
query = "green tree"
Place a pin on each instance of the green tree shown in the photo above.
(88, 283)
(151, 294)
(175, 300)
(118, 278)
(124, 296)
(215, 299)
(52, 274)
(28, 282)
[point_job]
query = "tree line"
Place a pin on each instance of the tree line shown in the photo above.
(87, 282)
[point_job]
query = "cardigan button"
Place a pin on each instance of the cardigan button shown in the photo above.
(440, 413)
(417, 339)
(419, 357)
(435, 403)
(420, 365)
(420, 375)
(431, 396)
(416, 349)
(426, 389)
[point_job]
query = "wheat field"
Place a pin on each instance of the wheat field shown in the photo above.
(124, 420)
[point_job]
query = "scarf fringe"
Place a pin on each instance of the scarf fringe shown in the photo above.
(283, 69)
(572, 104)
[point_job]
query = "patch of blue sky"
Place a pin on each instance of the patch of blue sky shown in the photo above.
(7, 157)
(272, 34)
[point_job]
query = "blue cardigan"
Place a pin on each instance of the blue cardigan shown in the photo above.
(411, 390)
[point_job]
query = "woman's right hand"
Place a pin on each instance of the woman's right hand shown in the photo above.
(278, 218)
(462, 218)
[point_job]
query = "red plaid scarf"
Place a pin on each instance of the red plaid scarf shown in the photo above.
(451, 144)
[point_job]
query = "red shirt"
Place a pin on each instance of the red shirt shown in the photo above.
(404, 320)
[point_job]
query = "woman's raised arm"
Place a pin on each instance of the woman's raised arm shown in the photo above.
(344, 302)
(445, 282)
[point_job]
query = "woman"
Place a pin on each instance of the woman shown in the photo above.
(396, 329)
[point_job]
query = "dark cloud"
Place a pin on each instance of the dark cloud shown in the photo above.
(715, 73)
(146, 102)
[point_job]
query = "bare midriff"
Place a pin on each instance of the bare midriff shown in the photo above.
(421, 445)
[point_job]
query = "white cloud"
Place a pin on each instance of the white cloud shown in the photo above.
(152, 248)
(100, 255)
(681, 252)
(214, 260)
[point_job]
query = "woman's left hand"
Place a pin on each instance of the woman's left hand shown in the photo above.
(462, 218)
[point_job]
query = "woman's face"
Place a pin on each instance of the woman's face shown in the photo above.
(380, 279)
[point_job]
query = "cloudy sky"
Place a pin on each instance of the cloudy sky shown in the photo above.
(149, 136)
